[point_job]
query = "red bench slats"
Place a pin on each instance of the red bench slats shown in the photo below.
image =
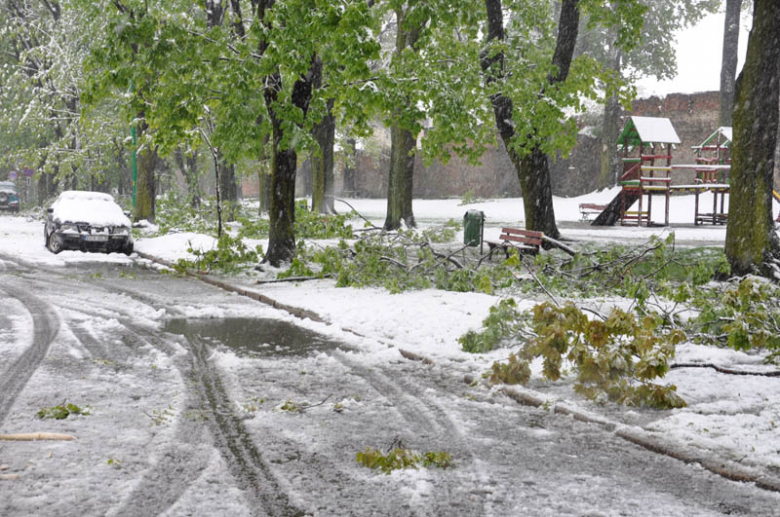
(529, 241)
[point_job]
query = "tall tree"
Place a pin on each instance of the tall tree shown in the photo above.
(253, 72)
(752, 245)
(403, 134)
(531, 163)
(512, 64)
(42, 49)
(729, 60)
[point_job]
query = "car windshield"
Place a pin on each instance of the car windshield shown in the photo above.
(93, 208)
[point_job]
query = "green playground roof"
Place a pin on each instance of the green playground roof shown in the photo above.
(723, 136)
(648, 130)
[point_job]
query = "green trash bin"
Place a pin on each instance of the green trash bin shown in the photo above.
(473, 224)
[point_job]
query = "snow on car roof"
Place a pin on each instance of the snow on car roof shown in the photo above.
(94, 208)
(7, 186)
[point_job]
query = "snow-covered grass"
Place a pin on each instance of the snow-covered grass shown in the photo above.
(735, 417)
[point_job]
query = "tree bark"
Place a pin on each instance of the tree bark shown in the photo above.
(322, 178)
(401, 179)
(728, 69)
(228, 188)
(144, 187)
(532, 167)
(610, 131)
(400, 184)
(349, 184)
(281, 241)
(264, 180)
(752, 246)
(188, 165)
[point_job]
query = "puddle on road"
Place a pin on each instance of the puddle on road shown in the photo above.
(252, 337)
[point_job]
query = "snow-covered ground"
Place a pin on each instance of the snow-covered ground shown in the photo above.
(736, 418)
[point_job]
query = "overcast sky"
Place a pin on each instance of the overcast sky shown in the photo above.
(699, 52)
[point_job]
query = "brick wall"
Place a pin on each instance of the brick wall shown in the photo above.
(694, 116)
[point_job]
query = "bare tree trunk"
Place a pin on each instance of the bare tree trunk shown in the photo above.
(322, 177)
(264, 181)
(228, 188)
(144, 187)
(728, 69)
(188, 165)
(281, 245)
(349, 185)
(752, 245)
(610, 163)
(400, 180)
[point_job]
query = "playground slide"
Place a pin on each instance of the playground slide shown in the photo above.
(611, 215)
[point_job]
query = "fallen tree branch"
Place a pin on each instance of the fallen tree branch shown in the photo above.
(9, 477)
(304, 408)
(393, 261)
(415, 357)
(720, 369)
(373, 226)
(29, 437)
(555, 301)
(292, 279)
(558, 244)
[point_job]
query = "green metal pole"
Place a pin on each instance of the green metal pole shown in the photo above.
(135, 148)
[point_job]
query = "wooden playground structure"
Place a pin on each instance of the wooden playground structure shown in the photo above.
(646, 145)
(712, 167)
(644, 142)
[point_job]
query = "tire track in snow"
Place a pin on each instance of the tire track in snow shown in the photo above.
(244, 460)
(427, 419)
(179, 466)
(46, 325)
(182, 461)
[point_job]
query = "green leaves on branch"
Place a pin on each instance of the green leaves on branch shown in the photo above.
(312, 225)
(743, 315)
(614, 359)
(402, 261)
(503, 324)
(230, 256)
(402, 458)
(62, 411)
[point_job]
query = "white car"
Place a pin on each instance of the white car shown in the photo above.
(87, 221)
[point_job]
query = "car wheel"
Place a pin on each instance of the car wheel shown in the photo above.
(53, 244)
(128, 249)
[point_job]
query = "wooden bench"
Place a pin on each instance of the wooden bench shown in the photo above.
(524, 241)
(588, 209)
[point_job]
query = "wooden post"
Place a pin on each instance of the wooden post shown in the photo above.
(668, 185)
(714, 206)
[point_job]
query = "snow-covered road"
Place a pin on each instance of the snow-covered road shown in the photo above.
(192, 394)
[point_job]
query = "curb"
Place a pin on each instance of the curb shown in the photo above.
(295, 311)
(638, 436)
